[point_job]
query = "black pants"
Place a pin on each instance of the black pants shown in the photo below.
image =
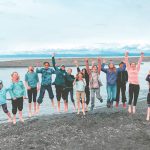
(42, 93)
(87, 93)
(133, 93)
(32, 94)
(69, 90)
(17, 104)
(4, 106)
(121, 88)
(61, 92)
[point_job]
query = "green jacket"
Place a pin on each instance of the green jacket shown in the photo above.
(61, 75)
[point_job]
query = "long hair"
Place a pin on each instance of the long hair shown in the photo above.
(13, 74)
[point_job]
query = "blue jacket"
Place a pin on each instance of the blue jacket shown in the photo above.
(3, 92)
(32, 79)
(46, 75)
(111, 77)
(17, 90)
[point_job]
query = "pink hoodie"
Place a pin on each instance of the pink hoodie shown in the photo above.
(133, 74)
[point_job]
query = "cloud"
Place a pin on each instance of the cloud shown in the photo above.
(33, 24)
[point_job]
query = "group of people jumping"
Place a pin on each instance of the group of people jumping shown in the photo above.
(87, 85)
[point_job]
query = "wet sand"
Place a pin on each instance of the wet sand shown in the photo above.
(105, 129)
(66, 61)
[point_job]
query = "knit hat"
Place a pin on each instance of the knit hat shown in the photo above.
(62, 65)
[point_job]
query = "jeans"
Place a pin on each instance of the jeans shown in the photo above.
(42, 92)
(111, 92)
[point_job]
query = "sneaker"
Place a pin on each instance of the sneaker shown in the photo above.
(124, 105)
(117, 104)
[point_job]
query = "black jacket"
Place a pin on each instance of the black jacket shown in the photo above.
(69, 83)
(122, 77)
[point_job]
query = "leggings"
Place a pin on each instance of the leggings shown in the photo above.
(32, 94)
(87, 93)
(122, 88)
(17, 105)
(133, 93)
(69, 90)
(4, 106)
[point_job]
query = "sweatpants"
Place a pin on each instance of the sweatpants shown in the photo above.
(95, 91)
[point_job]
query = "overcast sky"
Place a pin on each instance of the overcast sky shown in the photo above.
(37, 24)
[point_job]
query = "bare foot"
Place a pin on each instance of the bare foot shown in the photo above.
(129, 109)
(10, 120)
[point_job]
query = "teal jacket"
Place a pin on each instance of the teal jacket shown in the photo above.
(46, 75)
(61, 75)
(32, 79)
(3, 92)
(17, 90)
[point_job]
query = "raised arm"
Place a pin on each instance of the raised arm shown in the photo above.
(54, 62)
(77, 65)
(87, 65)
(127, 61)
(103, 66)
(140, 61)
(99, 65)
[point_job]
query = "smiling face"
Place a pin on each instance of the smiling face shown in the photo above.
(94, 69)
(121, 66)
(69, 71)
(15, 76)
(133, 66)
(111, 66)
(30, 69)
(46, 65)
(62, 67)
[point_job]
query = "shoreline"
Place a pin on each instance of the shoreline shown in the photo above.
(103, 129)
(68, 62)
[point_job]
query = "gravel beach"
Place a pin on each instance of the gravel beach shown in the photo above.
(104, 129)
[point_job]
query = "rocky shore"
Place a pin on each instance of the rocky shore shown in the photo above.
(104, 129)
